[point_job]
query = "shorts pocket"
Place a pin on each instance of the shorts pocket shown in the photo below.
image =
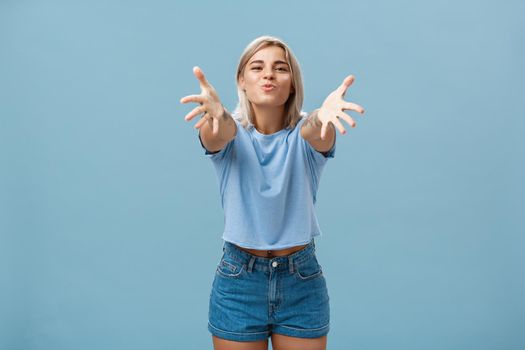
(308, 269)
(229, 268)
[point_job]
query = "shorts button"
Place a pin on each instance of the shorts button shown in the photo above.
(274, 264)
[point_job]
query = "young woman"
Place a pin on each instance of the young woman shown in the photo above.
(268, 159)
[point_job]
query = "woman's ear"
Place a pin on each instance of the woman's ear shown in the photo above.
(241, 83)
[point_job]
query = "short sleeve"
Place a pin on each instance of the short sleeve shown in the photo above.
(218, 155)
(319, 158)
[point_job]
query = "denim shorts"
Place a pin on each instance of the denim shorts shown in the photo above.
(253, 297)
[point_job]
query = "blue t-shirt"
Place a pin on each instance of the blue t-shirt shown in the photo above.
(268, 186)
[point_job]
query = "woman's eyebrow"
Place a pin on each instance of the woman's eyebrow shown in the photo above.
(276, 62)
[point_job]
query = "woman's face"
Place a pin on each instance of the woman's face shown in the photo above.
(267, 78)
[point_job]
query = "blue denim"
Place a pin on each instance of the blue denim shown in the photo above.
(253, 297)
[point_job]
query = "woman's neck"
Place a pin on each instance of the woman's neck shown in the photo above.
(268, 120)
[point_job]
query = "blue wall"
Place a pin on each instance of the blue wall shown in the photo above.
(110, 216)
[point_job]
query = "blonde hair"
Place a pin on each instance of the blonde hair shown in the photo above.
(244, 112)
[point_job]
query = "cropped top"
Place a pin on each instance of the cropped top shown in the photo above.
(268, 186)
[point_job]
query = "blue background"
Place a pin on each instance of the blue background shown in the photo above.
(110, 216)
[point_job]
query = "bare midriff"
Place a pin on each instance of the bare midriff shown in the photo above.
(273, 253)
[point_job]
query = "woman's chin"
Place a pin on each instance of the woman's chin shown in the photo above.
(262, 103)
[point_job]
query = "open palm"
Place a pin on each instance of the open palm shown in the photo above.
(334, 105)
(210, 107)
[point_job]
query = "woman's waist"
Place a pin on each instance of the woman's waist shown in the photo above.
(272, 253)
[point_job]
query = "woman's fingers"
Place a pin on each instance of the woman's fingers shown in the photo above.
(200, 75)
(195, 112)
(346, 83)
(193, 98)
(215, 127)
(203, 120)
(347, 119)
(205, 98)
(323, 130)
(339, 126)
(353, 107)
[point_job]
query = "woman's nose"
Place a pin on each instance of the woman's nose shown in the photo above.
(268, 73)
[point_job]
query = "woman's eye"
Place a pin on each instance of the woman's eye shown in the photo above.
(281, 69)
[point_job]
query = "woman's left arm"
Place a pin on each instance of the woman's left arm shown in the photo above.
(315, 129)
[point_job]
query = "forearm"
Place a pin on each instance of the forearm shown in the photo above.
(311, 129)
(227, 131)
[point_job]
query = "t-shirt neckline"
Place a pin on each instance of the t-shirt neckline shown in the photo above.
(258, 133)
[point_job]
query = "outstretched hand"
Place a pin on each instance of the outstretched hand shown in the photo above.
(333, 107)
(209, 101)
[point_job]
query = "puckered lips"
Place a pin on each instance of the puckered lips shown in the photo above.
(268, 87)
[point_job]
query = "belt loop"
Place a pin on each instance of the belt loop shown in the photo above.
(250, 264)
(290, 264)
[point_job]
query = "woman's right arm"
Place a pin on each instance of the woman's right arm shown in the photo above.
(216, 126)
(227, 131)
